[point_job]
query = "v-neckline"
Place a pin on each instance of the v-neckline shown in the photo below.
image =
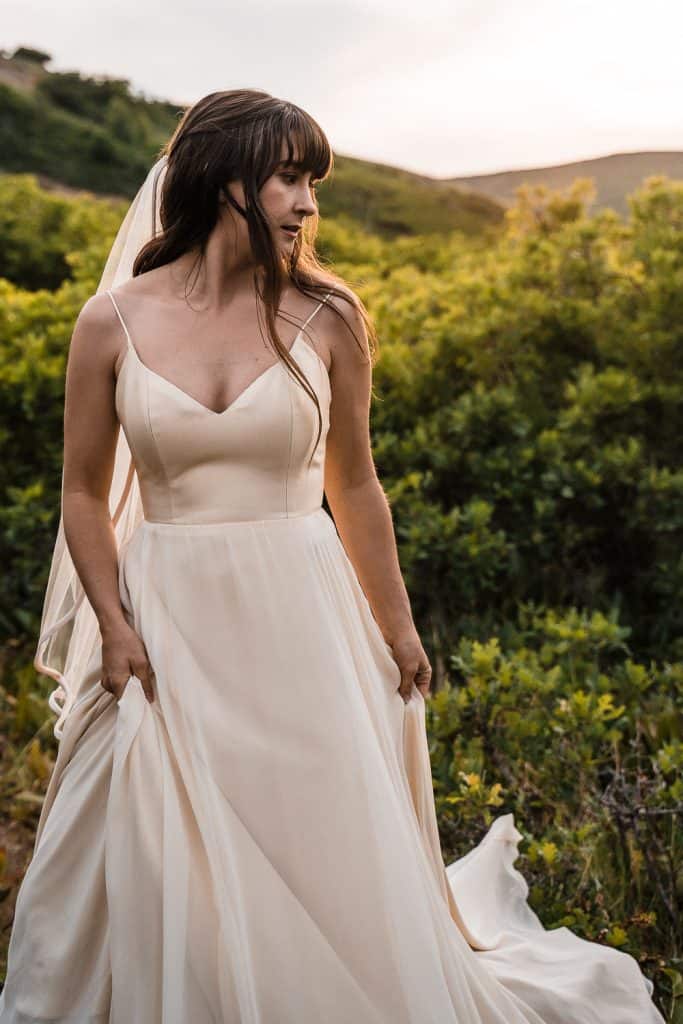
(195, 401)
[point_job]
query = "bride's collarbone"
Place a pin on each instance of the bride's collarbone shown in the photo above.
(212, 366)
(193, 388)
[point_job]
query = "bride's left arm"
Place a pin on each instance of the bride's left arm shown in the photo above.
(357, 500)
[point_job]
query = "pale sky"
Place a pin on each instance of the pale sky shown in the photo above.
(441, 87)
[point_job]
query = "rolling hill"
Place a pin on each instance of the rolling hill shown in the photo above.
(615, 177)
(78, 133)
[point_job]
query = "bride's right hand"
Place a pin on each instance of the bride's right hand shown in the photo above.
(124, 655)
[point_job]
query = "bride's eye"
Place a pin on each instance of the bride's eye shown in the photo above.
(291, 180)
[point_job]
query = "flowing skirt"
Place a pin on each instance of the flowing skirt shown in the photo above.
(259, 845)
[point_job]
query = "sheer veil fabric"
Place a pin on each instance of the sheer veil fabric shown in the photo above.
(69, 632)
(259, 845)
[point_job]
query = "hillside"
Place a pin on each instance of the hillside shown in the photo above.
(615, 176)
(79, 133)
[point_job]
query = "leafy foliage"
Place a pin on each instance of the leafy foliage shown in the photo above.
(583, 744)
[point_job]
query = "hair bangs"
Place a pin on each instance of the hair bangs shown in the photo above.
(307, 146)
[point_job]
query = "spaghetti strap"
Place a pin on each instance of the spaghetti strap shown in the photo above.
(123, 322)
(130, 341)
(309, 318)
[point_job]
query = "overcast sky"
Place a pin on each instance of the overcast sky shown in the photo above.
(441, 87)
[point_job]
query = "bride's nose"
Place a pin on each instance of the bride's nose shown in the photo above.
(305, 205)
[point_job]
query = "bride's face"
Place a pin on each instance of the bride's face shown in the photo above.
(287, 198)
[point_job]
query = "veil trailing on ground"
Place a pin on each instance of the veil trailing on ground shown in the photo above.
(69, 630)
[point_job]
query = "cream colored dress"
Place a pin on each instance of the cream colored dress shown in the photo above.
(259, 845)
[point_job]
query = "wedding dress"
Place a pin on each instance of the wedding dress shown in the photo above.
(259, 845)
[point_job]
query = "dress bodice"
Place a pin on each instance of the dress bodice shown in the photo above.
(250, 461)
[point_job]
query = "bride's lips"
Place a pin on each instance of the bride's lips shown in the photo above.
(291, 232)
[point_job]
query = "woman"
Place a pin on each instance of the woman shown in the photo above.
(240, 825)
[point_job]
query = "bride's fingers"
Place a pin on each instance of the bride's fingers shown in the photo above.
(423, 680)
(114, 684)
(143, 670)
(406, 684)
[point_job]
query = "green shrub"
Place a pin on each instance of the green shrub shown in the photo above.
(584, 745)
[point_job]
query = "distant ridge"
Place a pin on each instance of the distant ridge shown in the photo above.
(615, 176)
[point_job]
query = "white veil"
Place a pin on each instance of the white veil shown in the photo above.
(69, 630)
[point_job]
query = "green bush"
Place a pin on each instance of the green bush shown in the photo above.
(584, 745)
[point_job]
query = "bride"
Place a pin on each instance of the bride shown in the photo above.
(240, 825)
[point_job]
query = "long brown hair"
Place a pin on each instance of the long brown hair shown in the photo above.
(234, 135)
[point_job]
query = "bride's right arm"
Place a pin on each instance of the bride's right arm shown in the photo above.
(91, 429)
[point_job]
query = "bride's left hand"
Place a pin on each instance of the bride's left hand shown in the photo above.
(409, 655)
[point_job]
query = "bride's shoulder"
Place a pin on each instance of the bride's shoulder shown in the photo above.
(99, 332)
(95, 343)
(346, 323)
(104, 310)
(342, 297)
(96, 317)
